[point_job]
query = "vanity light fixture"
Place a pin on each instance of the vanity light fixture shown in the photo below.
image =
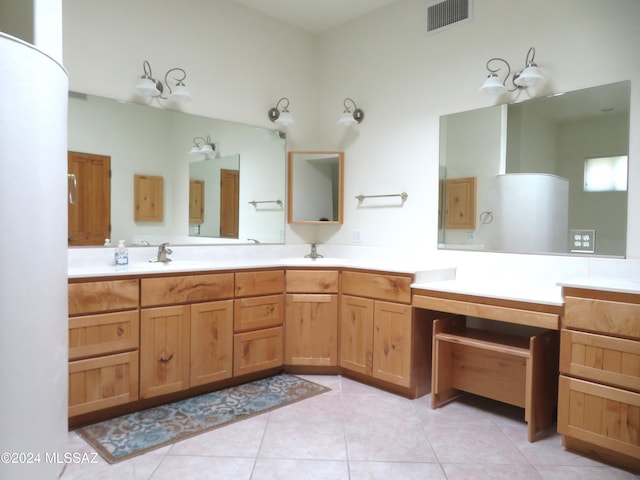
(529, 76)
(203, 146)
(281, 116)
(348, 117)
(149, 87)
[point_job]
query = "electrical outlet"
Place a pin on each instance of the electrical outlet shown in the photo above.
(582, 241)
(355, 236)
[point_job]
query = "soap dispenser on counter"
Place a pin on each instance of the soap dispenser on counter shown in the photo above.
(121, 254)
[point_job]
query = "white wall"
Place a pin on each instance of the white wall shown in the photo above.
(239, 63)
(33, 255)
(405, 79)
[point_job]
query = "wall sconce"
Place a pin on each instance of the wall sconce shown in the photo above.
(151, 88)
(529, 76)
(203, 146)
(281, 116)
(348, 117)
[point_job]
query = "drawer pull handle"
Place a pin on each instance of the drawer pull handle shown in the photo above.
(165, 359)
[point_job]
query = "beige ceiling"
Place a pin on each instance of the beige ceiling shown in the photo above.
(316, 15)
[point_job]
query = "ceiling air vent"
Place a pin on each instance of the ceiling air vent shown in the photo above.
(444, 14)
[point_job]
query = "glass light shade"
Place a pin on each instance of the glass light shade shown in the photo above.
(529, 76)
(147, 87)
(285, 118)
(208, 151)
(493, 86)
(180, 93)
(346, 118)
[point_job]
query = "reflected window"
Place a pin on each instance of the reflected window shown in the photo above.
(605, 174)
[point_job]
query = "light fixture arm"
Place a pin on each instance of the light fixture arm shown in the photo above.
(494, 71)
(200, 145)
(153, 88)
(148, 74)
(180, 80)
(274, 113)
(358, 113)
(526, 77)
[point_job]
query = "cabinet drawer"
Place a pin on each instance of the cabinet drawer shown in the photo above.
(307, 281)
(249, 284)
(94, 297)
(94, 335)
(600, 415)
(258, 312)
(384, 287)
(605, 316)
(257, 350)
(186, 289)
(614, 361)
(102, 382)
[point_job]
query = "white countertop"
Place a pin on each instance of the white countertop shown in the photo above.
(610, 284)
(422, 273)
(547, 294)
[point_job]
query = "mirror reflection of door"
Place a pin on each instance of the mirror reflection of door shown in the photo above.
(229, 203)
(196, 201)
(89, 218)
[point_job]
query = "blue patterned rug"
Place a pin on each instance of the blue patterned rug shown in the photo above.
(124, 437)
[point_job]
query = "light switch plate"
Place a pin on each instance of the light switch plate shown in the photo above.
(582, 241)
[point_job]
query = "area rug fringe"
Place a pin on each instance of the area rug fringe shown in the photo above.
(121, 438)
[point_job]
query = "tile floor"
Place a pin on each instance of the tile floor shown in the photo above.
(356, 432)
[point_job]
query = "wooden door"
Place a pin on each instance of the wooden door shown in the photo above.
(90, 215)
(164, 350)
(211, 342)
(356, 334)
(196, 202)
(392, 343)
(229, 203)
(311, 330)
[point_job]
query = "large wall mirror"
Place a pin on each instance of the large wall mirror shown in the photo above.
(315, 187)
(147, 141)
(546, 175)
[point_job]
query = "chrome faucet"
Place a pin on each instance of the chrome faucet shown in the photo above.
(314, 253)
(163, 254)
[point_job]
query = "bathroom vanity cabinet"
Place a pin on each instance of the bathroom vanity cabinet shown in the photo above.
(311, 327)
(186, 331)
(141, 337)
(103, 344)
(380, 338)
(258, 319)
(599, 392)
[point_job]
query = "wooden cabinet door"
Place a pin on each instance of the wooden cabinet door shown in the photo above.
(356, 334)
(211, 342)
(392, 343)
(102, 382)
(311, 330)
(256, 351)
(460, 203)
(600, 415)
(258, 312)
(164, 350)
